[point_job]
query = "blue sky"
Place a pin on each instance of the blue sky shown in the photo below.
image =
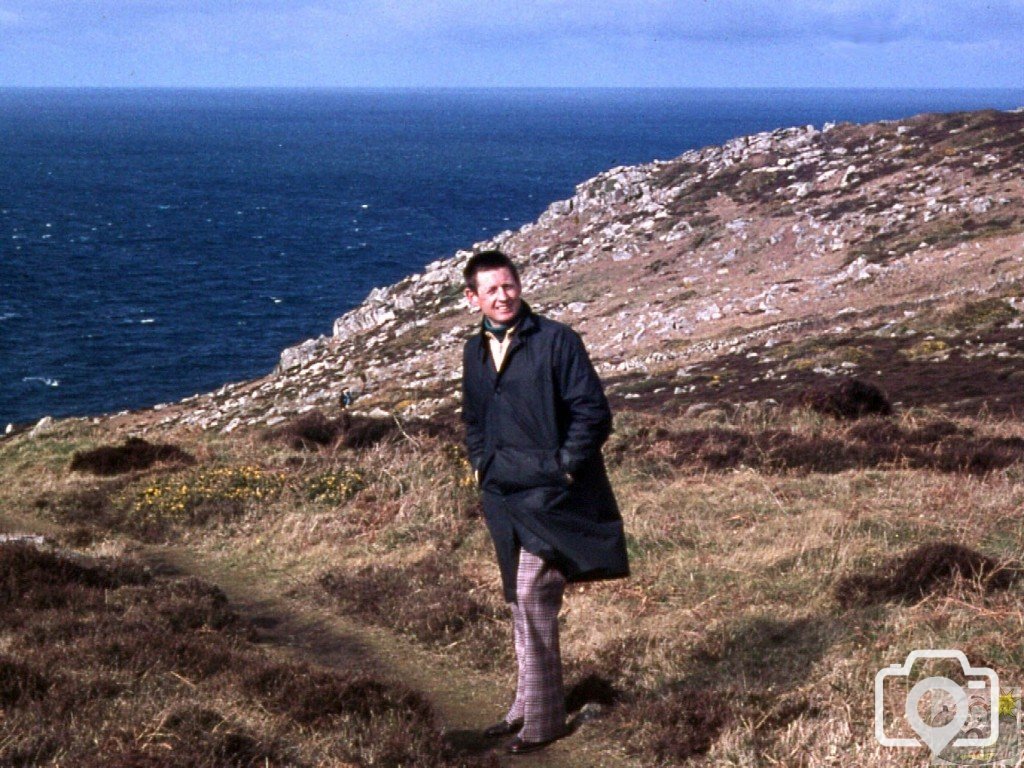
(625, 43)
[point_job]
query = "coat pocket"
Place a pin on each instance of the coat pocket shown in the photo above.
(519, 469)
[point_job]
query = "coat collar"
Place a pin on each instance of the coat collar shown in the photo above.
(525, 325)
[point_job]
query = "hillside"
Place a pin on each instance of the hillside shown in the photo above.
(874, 232)
(812, 342)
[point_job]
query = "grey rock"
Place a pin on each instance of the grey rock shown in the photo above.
(23, 538)
(712, 312)
(297, 356)
(42, 426)
(362, 319)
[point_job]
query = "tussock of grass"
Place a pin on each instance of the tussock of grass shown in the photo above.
(203, 738)
(930, 567)
(746, 670)
(312, 697)
(849, 399)
(315, 430)
(82, 508)
(134, 454)
(308, 431)
(365, 431)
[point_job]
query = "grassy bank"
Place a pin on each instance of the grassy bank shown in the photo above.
(773, 549)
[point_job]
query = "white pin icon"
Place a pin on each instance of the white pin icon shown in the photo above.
(937, 738)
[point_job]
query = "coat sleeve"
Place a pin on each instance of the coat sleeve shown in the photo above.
(472, 413)
(583, 403)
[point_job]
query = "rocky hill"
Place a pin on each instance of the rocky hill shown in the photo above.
(707, 277)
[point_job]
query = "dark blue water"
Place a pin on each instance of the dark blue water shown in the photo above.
(157, 243)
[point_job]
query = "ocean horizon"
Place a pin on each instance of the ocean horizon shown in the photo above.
(160, 242)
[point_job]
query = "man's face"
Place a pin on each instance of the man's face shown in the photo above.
(496, 295)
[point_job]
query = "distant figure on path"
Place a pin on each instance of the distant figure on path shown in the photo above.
(536, 417)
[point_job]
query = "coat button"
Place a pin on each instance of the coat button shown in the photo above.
(497, 390)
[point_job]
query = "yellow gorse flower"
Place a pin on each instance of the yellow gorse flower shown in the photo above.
(335, 486)
(1007, 705)
(181, 497)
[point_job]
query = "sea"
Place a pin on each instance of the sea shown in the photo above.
(159, 243)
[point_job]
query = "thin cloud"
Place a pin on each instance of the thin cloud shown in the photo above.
(862, 21)
(497, 41)
(867, 21)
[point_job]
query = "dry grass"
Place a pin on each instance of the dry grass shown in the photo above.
(728, 646)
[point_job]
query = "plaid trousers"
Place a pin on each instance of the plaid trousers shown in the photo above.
(540, 699)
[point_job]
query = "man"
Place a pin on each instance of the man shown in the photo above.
(536, 417)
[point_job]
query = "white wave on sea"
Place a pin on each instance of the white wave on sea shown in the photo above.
(43, 380)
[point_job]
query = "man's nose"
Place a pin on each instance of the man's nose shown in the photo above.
(502, 294)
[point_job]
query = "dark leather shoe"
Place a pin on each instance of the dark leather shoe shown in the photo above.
(520, 747)
(503, 728)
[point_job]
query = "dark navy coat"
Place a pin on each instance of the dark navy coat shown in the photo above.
(534, 432)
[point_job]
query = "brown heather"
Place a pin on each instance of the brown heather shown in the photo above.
(134, 454)
(927, 568)
(429, 600)
(105, 664)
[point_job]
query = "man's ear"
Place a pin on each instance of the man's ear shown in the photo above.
(472, 298)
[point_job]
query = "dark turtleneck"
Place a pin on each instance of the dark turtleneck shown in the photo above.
(498, 330)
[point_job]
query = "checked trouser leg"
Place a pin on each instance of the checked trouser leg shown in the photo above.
(540, 699)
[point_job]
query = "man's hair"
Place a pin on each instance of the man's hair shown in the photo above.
(485, 260)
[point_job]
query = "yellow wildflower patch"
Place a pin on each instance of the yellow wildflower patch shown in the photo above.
(210, 492)
(335, 486)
